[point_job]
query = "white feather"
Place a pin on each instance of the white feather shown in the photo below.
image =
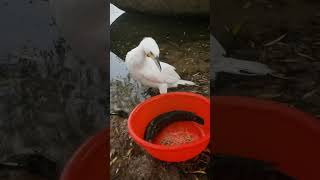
(144, 69)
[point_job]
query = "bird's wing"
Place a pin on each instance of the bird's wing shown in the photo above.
(169, 70)
(167, 75)
(218, 50)
(130, 59)
(128, 56)
(167, 66)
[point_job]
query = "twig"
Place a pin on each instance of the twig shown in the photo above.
(276, 40)
(280, 76)
(306, 56)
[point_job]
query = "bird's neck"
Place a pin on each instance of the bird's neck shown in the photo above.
(140, 56)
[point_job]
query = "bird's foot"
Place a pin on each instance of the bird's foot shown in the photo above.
(151, 92)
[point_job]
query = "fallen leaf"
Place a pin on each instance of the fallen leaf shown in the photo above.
(129, 152)
(198, 172)
(290, 60)
(280, 76)
(207, 150)
(309, 94)
(236, 29)
(113, 161)
(112, 152)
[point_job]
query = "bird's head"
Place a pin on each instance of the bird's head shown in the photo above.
(151, 50)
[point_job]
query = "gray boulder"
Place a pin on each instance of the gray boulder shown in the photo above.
(165, 7)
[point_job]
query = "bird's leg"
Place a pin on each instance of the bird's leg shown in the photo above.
(139, 85)
(152, 92)
(149, 90)
(146, 92)
(143, 89)
(163, 88)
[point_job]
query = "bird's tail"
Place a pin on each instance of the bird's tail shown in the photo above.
(184, 82)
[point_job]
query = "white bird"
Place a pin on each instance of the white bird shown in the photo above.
(144, 66)
(233, 66)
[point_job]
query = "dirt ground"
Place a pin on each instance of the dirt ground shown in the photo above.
(188, 50)
(192, 63)
(128, 160)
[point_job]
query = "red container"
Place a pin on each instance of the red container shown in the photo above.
(267, 131)
(90, 161)
(152, 107)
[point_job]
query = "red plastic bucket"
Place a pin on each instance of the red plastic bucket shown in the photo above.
(267, 131)
(152, 107)
(90, 161)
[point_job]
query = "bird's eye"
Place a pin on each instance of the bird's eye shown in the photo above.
(149, 54)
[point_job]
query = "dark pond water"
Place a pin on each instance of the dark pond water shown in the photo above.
(50, 101)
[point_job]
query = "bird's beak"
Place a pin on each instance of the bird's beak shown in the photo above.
(157, 61)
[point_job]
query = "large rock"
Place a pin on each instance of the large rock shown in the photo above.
(165, 7)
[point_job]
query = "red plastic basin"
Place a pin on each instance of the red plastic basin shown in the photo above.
(267, 131)
(152, 107)
(90, 161)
